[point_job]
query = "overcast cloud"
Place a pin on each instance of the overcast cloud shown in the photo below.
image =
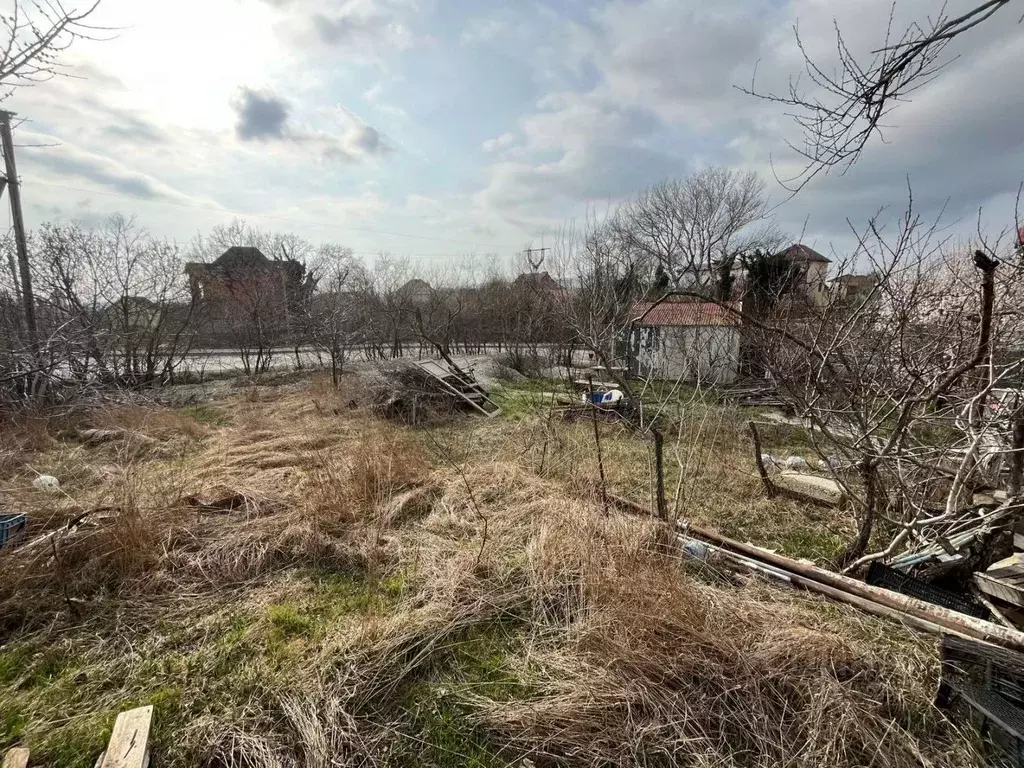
(436, 129)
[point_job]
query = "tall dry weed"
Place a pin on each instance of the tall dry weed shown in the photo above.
(150, 420)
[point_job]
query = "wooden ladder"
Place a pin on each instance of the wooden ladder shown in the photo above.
(461, 384)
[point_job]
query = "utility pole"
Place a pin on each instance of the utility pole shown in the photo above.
(14, 187)
(535, 264)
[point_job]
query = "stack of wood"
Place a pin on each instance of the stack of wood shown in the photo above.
(416, 393)
(755, 395)
(1003, 583)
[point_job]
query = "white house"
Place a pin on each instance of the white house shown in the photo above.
(813, 272)
(691, 341)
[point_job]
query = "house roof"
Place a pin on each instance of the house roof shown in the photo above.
(798, 253)
(241, 257)
(683, 313)
(236, 259)
(415, 285)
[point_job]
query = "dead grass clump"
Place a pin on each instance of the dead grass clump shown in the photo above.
(384, 462)
(664, 669)
(156, 422)
(22, 436)
(630, 661)
(350, 394)
(246, 550)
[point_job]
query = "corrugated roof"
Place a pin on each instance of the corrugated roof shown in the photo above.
(684, 313)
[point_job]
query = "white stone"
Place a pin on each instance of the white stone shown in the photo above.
(46, 483)
(820, 488)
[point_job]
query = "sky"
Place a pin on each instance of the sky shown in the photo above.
(448, 130)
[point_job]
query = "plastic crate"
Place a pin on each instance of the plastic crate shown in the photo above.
(11, 527)
(883, 576)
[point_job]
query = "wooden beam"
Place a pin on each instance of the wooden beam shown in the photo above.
(129, 742)
(908, 606)
(998, 588)
(16, 757)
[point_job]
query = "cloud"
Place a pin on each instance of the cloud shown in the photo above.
(574, 149)
(372, 95)
(261, 115)
(133, 129)
(649, 89)
(499, 143)
(68, 160)
(361, 29)
(482, 30)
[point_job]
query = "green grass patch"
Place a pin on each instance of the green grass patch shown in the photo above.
(441, 730)
(60, 698)
(811, 543)
(521, 399)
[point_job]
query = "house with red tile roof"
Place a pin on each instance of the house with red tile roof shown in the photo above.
(684, 340)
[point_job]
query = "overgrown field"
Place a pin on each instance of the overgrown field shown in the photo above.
(445, 595)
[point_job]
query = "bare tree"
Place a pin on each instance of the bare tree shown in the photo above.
(338, 311)
(847, 101)
(115, 302)
(688, 226)
(37, 32)
(607, 280)
(893, 386)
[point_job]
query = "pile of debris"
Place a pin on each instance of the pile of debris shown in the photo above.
(756, 394)
(422, 391)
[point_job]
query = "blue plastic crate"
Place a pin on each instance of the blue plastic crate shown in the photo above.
(11, 525)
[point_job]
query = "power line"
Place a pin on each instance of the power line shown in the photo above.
(257, 215)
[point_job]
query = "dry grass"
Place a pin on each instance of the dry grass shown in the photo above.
(372, 606)
(710, 476)
(21, 437)
(150, 420)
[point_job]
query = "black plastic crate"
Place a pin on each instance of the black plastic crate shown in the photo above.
(889, 578)
(12, 527)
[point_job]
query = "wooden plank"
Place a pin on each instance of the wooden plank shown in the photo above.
(840, 584)
(1002, 590)
(16, 757)
(956, 651)
(1008, 566)
(129, 742)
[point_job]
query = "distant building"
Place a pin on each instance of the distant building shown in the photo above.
(416, 291)
(853, 289)
(243, 284)
(134, 313)
(693, 341)
(538, 282)
(813, 270)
